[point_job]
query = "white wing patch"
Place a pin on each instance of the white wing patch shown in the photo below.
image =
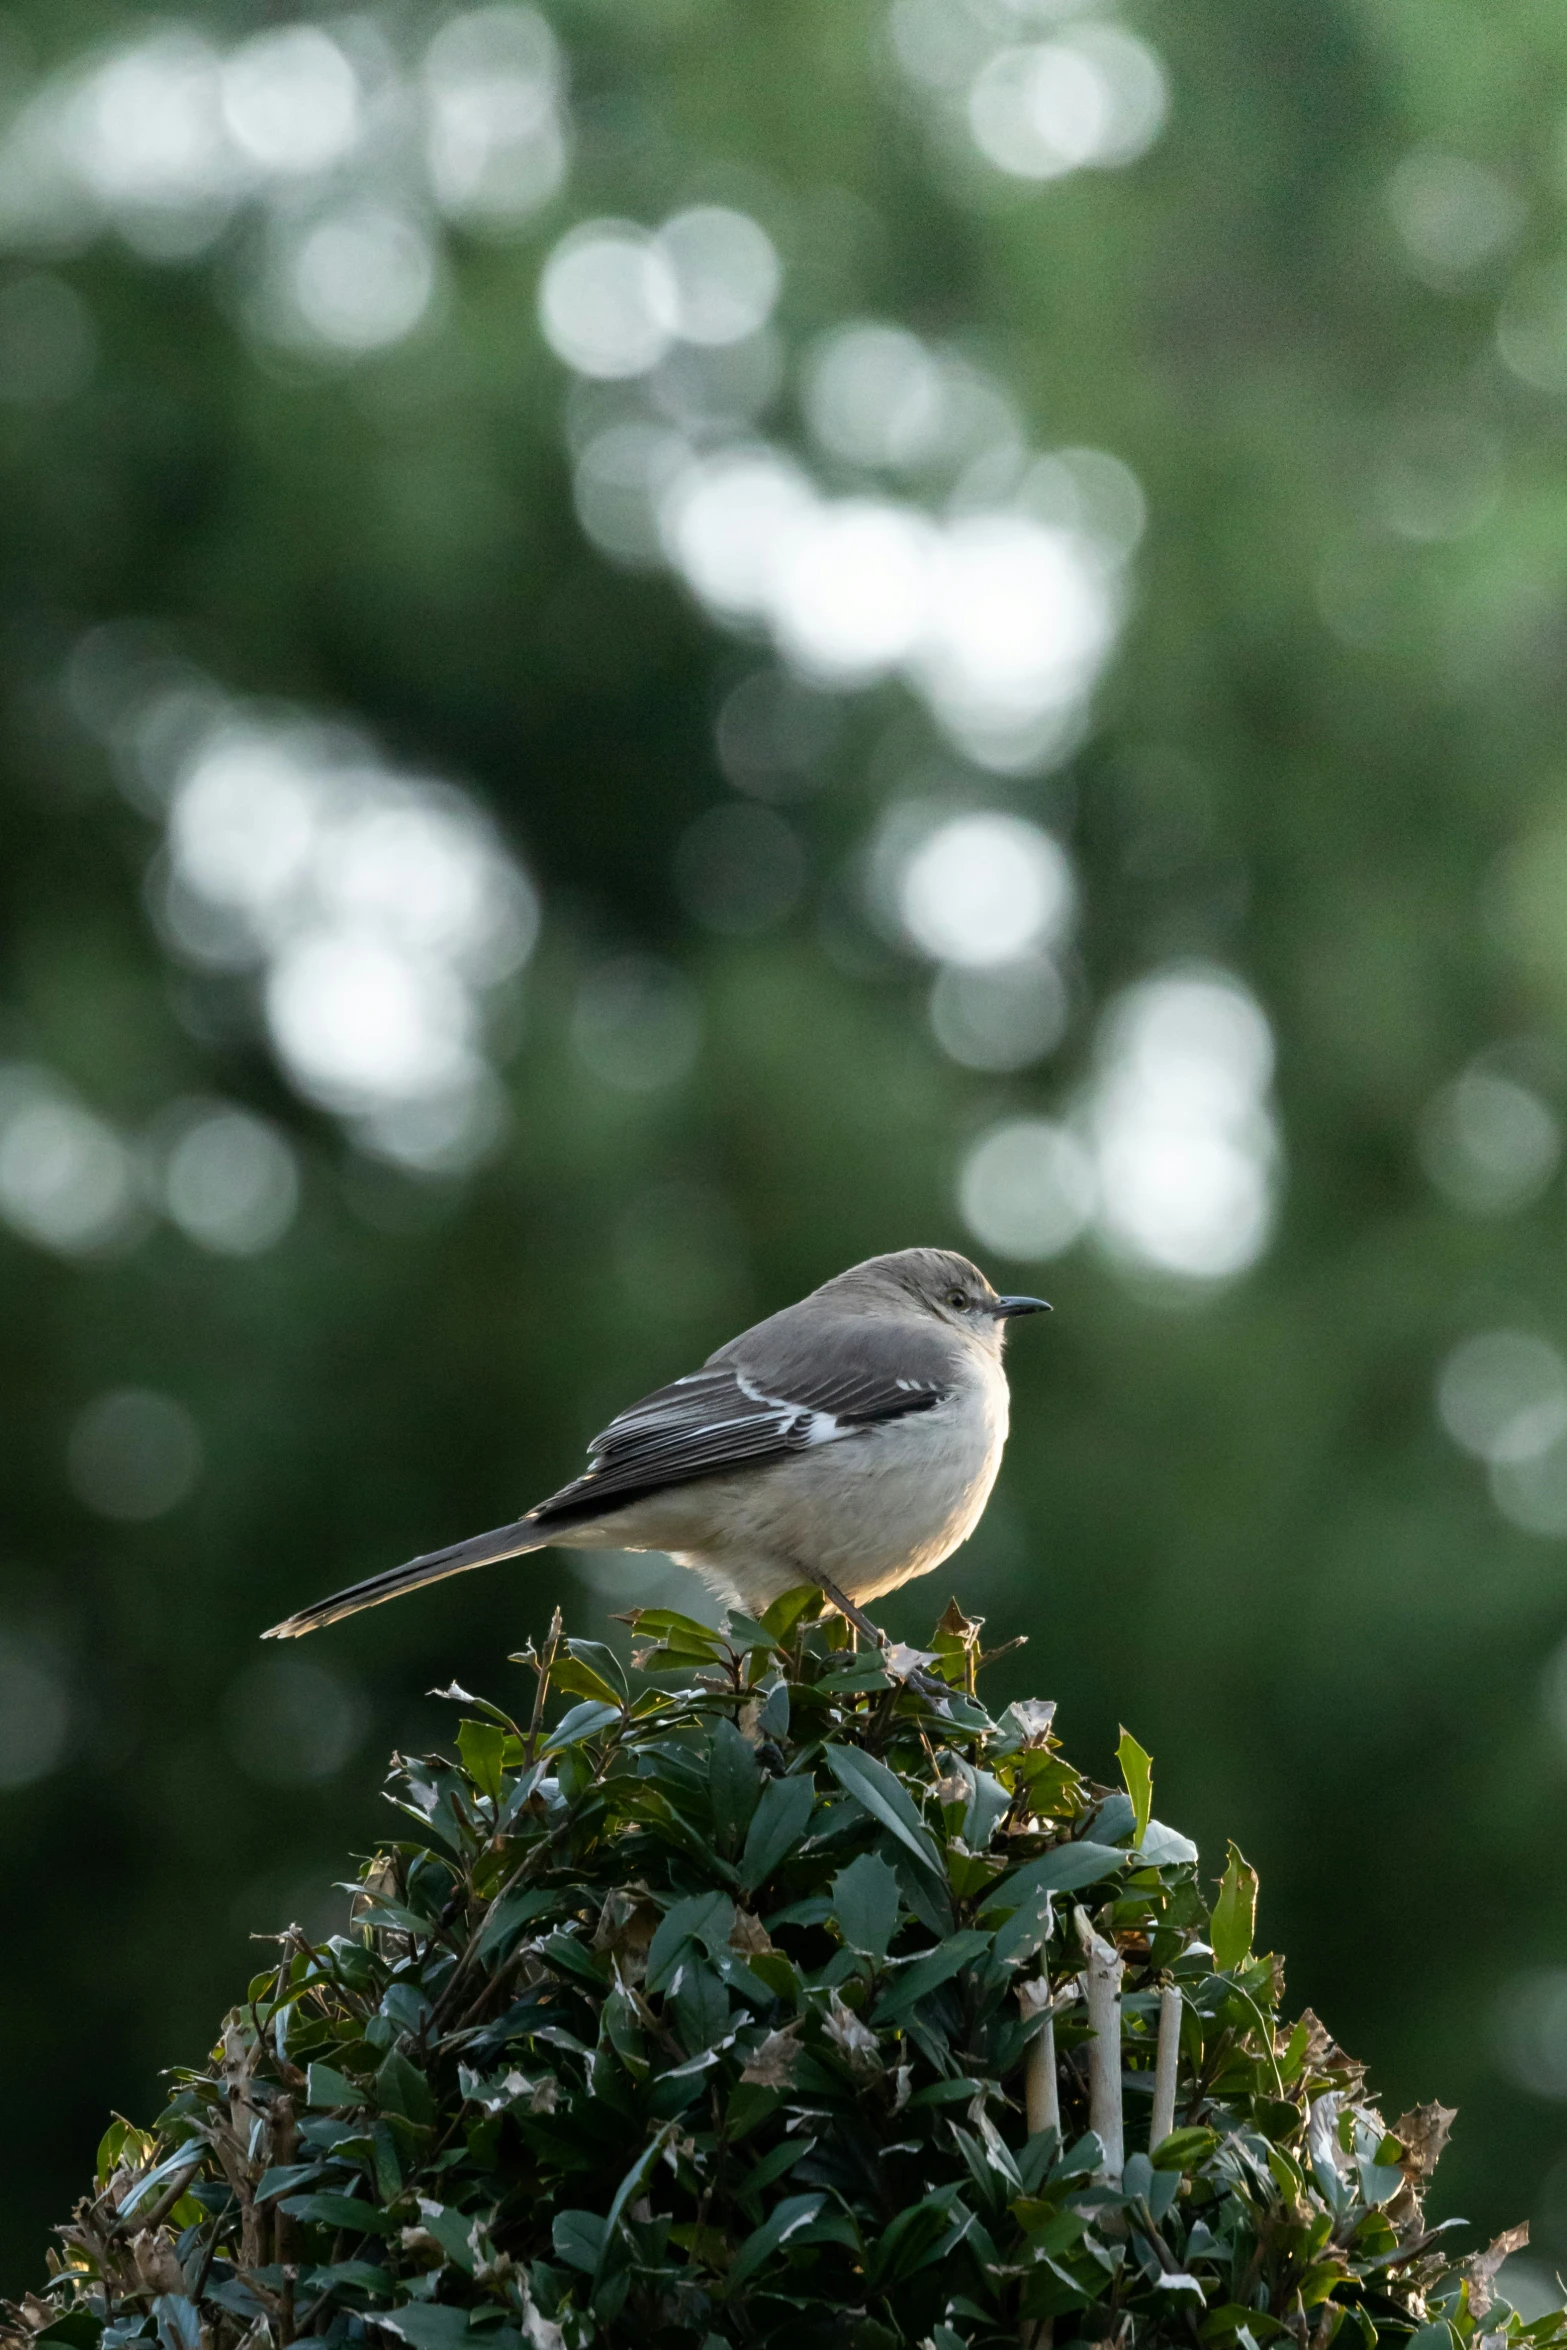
(796, 1423)
(722, 1418)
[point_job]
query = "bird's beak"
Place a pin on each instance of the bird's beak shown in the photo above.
(1005, 1307)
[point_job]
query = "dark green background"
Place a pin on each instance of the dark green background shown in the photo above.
(1234, 1524)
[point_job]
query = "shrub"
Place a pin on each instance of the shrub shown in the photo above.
(771, 1998)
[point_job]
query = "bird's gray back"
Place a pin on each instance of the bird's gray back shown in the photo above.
(812, 1375)
(825, 1349)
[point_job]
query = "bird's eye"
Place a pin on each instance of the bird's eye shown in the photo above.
(957, 1297)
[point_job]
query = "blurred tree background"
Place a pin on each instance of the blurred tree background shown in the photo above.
(649, 652)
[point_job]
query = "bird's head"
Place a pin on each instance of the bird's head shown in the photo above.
(940, 1282)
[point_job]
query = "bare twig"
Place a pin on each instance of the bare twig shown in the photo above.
(154, 2217)
(541, 1691)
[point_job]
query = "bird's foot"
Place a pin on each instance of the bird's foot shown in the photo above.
(930, 1686)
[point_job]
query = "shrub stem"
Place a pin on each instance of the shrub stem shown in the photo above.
(1165, 2066)
(1041, 2093)
(1102, 1990)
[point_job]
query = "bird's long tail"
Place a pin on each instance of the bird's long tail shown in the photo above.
(480, 1550)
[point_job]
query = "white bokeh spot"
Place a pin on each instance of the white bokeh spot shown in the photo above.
(1180, 1124)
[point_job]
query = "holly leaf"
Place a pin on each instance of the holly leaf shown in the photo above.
(1137, 1778)
(1234, 1921)
(867, 1902)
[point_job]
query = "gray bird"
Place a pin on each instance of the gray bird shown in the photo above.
(850, 1441)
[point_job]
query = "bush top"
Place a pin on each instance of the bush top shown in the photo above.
(709, 2005)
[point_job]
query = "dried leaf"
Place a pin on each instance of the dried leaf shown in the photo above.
(748, 1935)
(1481, 2270)
(157, 2263)
(772, 2067)
(626, 1925)
(538, 2331)
(851, 2038)
(1033, 1716)
(1423, 2133)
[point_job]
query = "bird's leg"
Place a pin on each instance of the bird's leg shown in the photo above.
(854, 1617)
(927, 1684)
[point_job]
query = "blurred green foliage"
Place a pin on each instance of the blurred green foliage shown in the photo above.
(1327, 754)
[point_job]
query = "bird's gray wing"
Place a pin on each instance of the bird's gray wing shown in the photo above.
(768, 1394)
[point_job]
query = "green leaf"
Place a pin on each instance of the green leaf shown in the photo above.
(867, 1902)
(1068, 1869)
(874, 1788)
(331, 2089)
(184, 2158)
(1137, 1777)
(777, 1825)
(368, 2275)
(340, 2211)
(508, 1915)
(288, 2178)
(701, 2006)
(482, 1745)
(1050, 2290)
(77, 2329)
(1027, 1930)
(734, 1783)
(593, 1656)
(579, 2238)
(1113, 1822)
(681, 1636)
(1160, 1847)
(401, 2088)
(786, 1611)
(929, 1973)
(987, 1807)
(428, 2325)
(672, 1827)
(1184, 2149)
(583, 1721)
(858, 1676)
(795, 2211)
(773, 1720)
(913, 2239)
(565, 1950)
(931, 1902)
(1379, 2182)
(112, 2146)
(961, 2091)
(776, 2165)
(386, 2162)
(377, 1910)
(630, 2186)
(956, 1642)
(179, 2327)
(453, 2231)
(745, 1634)
(707, 1918)
(1234, 1920)
(575, 1677)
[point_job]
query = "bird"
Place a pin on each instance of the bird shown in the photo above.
(850, 1440)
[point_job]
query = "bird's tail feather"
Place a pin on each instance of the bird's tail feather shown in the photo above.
(480, 1550)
